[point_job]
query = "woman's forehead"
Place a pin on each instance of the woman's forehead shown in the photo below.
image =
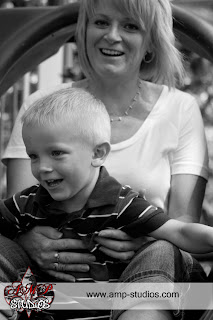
(132, 9)
(118, 5)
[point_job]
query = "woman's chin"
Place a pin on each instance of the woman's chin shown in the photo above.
(113, 71)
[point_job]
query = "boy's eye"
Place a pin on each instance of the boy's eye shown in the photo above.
(57, 153)
(32, 156)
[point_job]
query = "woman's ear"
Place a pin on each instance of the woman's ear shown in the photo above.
(101, 152)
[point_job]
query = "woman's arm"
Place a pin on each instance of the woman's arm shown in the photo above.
(186, 197)
(189, 164)
(19, 176)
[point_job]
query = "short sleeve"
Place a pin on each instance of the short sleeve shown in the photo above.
(15, 148)
(191, 154)
(141, 218)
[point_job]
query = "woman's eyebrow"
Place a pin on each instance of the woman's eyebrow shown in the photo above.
(100, 15)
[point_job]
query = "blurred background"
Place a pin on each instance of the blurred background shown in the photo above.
(64, 67)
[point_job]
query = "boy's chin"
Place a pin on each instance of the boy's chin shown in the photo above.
(57, 196)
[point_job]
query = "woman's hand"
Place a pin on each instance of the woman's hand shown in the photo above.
(117, 244)
(43, 244)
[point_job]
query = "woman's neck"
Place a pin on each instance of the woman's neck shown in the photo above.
(116, 94)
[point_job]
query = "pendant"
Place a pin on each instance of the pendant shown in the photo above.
(113, 120)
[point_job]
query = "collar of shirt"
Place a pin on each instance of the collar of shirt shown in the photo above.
(106, 192)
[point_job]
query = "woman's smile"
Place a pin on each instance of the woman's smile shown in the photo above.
(111, 52)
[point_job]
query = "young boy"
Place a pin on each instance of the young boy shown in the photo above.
(67, 137)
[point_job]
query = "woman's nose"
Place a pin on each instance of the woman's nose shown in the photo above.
(113, 34)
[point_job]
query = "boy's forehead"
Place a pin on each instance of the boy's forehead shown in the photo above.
(66, 131)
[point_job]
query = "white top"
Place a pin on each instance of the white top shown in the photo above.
(170, 141)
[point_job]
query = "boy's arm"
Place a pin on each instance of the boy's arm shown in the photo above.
(191, 237)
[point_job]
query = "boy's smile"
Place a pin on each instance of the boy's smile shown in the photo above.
(53, 183)
(62, 163)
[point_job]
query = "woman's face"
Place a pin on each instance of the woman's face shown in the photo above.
(115, 43)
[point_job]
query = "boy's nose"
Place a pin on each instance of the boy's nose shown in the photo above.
(45, 167)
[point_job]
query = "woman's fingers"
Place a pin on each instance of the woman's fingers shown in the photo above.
(43, 250)
(114, 234)
(117, 244)
(60, 267)
(118, 240)
(67, 261)
(123, 256)
(67, 244)
(48, 232)
(65, 264)
(72, 258)
(61, 276)
(122, 250)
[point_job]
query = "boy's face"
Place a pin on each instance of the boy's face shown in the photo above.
(61, 163)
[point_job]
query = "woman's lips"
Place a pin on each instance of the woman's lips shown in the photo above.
(111, 52)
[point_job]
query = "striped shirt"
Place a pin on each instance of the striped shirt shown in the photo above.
(110, 205)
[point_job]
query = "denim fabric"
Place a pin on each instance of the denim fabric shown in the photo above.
(160, 262)
(13, 260)
(156, 261)
(13, 264)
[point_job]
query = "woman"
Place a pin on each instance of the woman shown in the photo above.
(126, 49)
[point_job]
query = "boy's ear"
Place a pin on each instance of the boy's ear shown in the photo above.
(100, 154)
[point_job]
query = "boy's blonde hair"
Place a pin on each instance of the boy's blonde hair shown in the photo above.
(77, 108)
(155, 20)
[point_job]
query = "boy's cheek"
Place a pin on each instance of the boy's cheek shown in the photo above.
(34, 171)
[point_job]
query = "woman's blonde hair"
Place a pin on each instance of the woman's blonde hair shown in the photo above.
(155, 20)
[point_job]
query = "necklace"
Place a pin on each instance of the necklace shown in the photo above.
(131, 106)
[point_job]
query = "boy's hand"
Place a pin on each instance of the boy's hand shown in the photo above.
(43, 244)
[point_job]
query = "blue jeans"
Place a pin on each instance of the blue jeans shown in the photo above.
(162, 262)
(156, 261)
(13, 260)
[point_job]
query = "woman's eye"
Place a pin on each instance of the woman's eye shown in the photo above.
(131, 27)
(101, 23)
(57, 153)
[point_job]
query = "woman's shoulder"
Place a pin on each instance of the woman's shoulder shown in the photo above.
(154, 92)
(179, 94)
(172, 98)
(173, 105)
